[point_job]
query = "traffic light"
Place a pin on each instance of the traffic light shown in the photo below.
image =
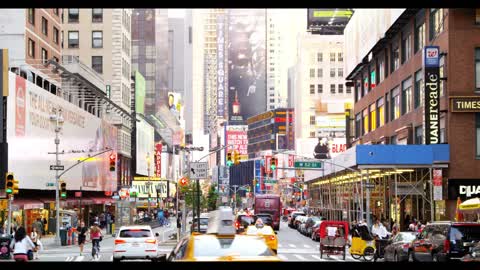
(15, 187)
(229, 159)
(183, 182)
(236, 157)
(112, 162)
(10, 182)
(273, 163)
(63, 190)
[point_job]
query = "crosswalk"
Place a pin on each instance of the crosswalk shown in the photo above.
(306, 252)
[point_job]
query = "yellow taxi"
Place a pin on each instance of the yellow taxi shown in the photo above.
(221, 243)
(266, 232)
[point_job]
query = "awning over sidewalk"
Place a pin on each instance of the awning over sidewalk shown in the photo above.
(26, 204)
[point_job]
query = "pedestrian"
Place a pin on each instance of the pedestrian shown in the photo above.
(96, 237)
(45, 227)
(21, 245)
(82, 235)
(38, 225)
(35, 237)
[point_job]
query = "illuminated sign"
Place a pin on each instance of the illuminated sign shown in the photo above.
(465, 104)
(260, 117)
(158, 159)
(432, 95)
(220, 65)
(144, 188)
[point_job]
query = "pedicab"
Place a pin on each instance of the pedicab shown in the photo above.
(363, 243)
(333, 238)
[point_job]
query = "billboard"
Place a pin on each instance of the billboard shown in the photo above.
(31, 137)
(221, 65)
(139, 93)
(331, 125)
(328, 20)
(175, 104)
(431, 117)
(246, 64)
(145, 147)
(237, 139)
(144, 188)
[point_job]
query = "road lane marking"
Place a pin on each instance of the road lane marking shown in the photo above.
(307, 246)
(282, 257)
(316, 257)
(69, 258)
(79, 258)
(291, 245)
(279, 245)
(111, 258)
(300, 257)
(300, 250)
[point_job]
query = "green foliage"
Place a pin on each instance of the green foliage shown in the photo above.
(212, 198)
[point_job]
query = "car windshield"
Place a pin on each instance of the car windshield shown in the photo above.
(135, 233)
(465, 233)
(246, 220)
(238, 246)
(265, 218)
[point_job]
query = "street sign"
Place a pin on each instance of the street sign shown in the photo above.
(308, 164)
(369, 185)
(270, 181)
(57, 168)
(50, 184)
(78, 194)
(116, 197)
(198, 170)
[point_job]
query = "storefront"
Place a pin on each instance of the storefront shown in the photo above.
(464, 189)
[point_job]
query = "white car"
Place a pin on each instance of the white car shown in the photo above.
(136, 242)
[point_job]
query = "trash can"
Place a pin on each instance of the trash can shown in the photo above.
(5, 240)
(63, 236)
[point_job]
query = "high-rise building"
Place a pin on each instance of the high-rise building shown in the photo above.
(276, 70)
(100, 39)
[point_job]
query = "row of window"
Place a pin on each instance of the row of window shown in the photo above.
(125, 94)
(31, 48)
(56, 33)
(319, 57)
(125, 68)
(400, 51)
(125, 44)
(74, 39)
(332, 89)
(332, 72)
(74, 15)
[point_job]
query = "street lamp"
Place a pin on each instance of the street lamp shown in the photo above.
(57, 119)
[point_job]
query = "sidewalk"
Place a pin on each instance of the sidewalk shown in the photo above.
(49, 240)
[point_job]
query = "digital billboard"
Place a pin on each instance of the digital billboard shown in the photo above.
(246, 64)
(221, 65)
(145, 147)
(139, 93)
(175, 104)
(31, 138)
(237, 139)
(328, 17)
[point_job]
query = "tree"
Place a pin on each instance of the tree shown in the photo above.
(212, 198)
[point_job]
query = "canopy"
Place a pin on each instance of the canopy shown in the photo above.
(470, 206)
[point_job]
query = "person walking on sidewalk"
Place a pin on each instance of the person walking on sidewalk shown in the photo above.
(35, 237)
(21, 245)
(82, 235)
(96, 237)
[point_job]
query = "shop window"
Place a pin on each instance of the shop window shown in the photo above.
(419, 91)
(407, 105)
(477, 133)
(477, 69)
(73, 15)
(373, 117)
(380, 113)
(320, 88)
(312, 89)
(419, 135)
(366, 122)
(395, 104)
(436, 22)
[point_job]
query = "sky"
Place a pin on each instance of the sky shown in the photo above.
(176, 12)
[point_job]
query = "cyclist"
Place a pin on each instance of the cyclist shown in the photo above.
(161, 218)
(96, 237)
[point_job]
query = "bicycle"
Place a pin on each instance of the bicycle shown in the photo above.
(95, 248)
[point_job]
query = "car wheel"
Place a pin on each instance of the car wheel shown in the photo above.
(435, 257)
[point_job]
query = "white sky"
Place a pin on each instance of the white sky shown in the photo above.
(176, 13)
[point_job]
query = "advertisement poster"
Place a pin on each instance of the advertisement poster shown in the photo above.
(31, 136)
(237, 139)
(437, 185)
(246, 64)
(143, 188)
(145, 147)
(139, 93)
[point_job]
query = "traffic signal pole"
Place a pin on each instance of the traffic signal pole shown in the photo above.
(57, 186)
(9, 220)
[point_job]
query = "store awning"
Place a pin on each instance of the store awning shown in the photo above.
(101, 200)
(26, 204)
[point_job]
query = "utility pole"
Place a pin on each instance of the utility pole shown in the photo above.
(148, 182)
(58, 120)
(9, 220)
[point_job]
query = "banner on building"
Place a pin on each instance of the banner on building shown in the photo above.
(139, 93)
(431, 117)
(158, 159)
(144, 188)
(237, 139)
(437, 185)
(221, 65)
(145, 151)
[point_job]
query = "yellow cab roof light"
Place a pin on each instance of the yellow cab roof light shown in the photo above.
(220, 222)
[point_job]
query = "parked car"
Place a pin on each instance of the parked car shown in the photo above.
(315, 235)
(203, 223)
(299, 221)
(136, 242)
(309, 224)
(398, 248)
(294, 215)
(266, 218)
(444, 241)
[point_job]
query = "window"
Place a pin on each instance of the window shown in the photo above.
(477, 69)
(366, 122)
(373, 78)
(349, 89)
(97, 64)
(340, 72)
(332, 57)
(73, 39)
(31, 48)
(320, 73)
(340, 88)
(340, 57)
(388, 105)
(312, 134)
(358, 125)
(477, 121)
(44, 26)
(419, 91)
(373, 117)
(312, 89)
(319, 57)
(477, 16)
(55, 59)
(442, 74)
(332, 88)
(381, 69)
(44, 56)
(436, 22)
(31, 16)
(97, 39)
(419, 135)
(97, 15)
(320, 88)
(358, 90)
(380, 113)
(56, 11)
(55, 35)
(419, 38)
(332, 73)
(366, 85)
(73, 15)
(395, 104)
(395, 61)
(312, 120)
(407, 104)
(406, 48)
(393, 140)
(312, 73)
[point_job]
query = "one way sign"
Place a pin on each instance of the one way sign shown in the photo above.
(198, 170)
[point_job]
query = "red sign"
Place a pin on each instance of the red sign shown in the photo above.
(158, 159)
(237, 140)
(78, 194)
(437, 178)
(267, 164)
(124, 193)
(20, 100)
(108, 193)
(291, 160)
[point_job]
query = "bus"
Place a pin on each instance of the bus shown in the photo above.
(269, 204)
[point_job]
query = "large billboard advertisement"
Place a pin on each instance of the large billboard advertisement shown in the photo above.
(175, 104)
(31, 136)
(145, 147)
(331, 125)
(237, 140)
(221, 65)
(328, 20)
(139, 93)
(246, 64)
